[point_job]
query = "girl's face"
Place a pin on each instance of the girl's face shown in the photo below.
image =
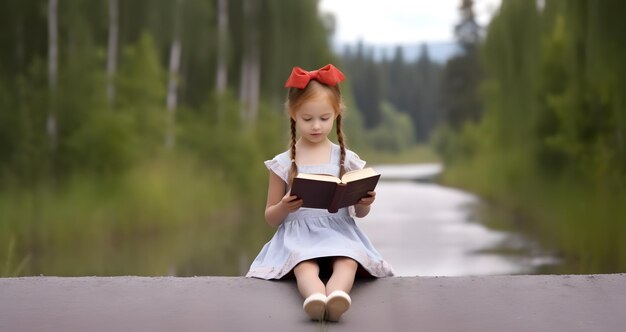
(314, 119)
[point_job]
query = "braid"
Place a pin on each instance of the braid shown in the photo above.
(342, 145)
(293, 170)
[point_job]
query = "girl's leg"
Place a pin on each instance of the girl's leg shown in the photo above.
(311, 288)
(307, 276)
(338, 286)
(344, 270)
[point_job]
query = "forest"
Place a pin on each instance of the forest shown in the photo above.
(122, 122)
(542, 134)
(129, 129)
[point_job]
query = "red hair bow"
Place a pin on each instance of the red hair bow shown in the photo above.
(328, 75)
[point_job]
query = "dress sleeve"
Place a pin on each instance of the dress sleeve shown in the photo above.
(278, 168)
(353, 161)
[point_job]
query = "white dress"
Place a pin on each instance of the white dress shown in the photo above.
(316, 233)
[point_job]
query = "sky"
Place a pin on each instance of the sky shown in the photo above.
(392, 22)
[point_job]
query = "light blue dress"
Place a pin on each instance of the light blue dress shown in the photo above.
(315, 233)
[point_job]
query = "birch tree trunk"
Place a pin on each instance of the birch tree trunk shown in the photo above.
(112, 50)
(244, 80)
(222, 44)
(250, 67)
(51, 125)
(243, 86)
(172, 85)
(255, 78)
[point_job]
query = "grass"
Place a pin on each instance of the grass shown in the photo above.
(149, 221)
(11, 269)
(583, 224)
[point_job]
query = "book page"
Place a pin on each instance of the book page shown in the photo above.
(358, 174)
(319, 177)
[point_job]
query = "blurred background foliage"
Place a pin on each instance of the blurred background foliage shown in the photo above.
(132, 133)
(548, 141)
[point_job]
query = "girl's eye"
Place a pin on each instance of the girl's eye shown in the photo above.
(325, 119)
(306, 120)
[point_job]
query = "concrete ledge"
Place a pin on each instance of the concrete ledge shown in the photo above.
(498, 303)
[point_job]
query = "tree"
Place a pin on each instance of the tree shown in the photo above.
(365, 78)
(53, 63)
(221, 79)
(425, 111)
(467, 31)
(112, 49)
(250, 65)
(172, 85)
(395, 131)
(132, 57)
(462, 74)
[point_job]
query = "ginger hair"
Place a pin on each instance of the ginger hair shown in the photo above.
(296, 98)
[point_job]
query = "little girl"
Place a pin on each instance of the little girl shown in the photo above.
(310, 241)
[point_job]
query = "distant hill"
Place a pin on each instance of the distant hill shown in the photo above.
(438, 51)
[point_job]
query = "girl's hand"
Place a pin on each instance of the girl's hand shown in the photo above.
(368, 200)
(291, 203)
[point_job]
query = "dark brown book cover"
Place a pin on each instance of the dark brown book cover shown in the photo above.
(322, 191)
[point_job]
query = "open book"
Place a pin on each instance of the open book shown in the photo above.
(321, 191)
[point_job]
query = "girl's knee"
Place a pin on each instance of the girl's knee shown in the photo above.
(345, 263)
(309, 266)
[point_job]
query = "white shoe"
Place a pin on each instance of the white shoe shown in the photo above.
(337, 303)
(315, 306)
